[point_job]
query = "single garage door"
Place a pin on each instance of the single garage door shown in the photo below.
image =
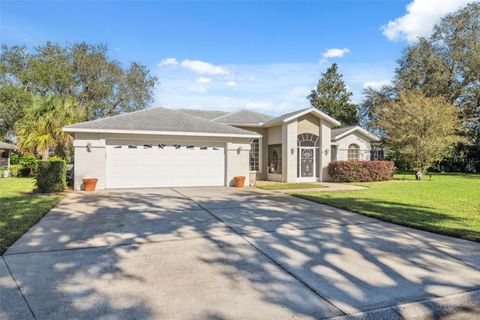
(137, 165)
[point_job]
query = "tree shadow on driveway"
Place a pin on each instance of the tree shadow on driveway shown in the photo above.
(150, 254)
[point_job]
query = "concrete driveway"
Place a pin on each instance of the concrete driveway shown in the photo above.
(223, 253)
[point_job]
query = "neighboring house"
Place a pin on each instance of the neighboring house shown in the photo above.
(5, 150)
(162, 147)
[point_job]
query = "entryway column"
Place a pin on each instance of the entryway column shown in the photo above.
(289, 151)
(325, 149)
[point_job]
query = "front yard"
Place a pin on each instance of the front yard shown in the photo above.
(20, 208)
(448, 204)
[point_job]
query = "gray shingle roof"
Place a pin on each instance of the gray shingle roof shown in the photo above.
(160, 120)
(339, 131)
(285, 116)
(245, 117)
(336, 133)
(4, 145)
(206, 114)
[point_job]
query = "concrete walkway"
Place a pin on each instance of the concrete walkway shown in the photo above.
(224, 253)
(325, 186)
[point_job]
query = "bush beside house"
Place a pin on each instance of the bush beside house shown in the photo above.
(51, 176)
(17, 170)
(361, 171)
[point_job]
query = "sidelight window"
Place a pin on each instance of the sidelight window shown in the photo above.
(255, 154)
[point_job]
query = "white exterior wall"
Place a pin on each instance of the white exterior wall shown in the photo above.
(93, 164)
(237, 162)
(356, 138)
(325, 149)
(89, 164)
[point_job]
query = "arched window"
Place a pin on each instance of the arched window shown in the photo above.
(307, 140)
(353, 152)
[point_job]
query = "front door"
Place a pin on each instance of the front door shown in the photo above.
(307, 162)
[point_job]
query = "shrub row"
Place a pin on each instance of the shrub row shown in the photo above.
(51, 176)
(361, 171)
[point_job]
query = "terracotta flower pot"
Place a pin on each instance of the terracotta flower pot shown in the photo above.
(89, 184)
(239, 181)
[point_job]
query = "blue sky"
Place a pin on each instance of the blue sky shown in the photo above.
(263, 56)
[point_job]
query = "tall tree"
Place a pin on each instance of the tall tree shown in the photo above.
(447, 64)
(332, 97)
(421, 130)
(41, 127)
(373, 100)
(99, 84)
(13, 101)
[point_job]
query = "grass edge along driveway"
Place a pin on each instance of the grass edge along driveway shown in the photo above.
(286, 186)
(21, 208)
(448, 204)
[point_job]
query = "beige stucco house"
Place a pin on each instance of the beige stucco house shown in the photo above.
(160, 147)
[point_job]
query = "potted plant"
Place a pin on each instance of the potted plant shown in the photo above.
(239, 181)
(89, 184)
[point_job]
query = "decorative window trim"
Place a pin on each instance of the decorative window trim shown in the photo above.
(307, 137)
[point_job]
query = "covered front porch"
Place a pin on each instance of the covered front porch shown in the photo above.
(304, 161)
(297, 148)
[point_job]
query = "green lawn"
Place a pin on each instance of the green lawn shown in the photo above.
(285, 186)
(448, 204)
(20, 208)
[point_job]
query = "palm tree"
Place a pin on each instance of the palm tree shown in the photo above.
(41, 127)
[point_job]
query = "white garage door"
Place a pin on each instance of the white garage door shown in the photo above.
(164, 165)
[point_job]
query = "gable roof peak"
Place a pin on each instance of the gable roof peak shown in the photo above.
(298, 113)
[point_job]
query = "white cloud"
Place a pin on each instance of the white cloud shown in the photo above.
(168, 62)
(420, 18)
(376, 84)
(203, 67)
(203, 80)
(231, 84)
(277, 89)
(335, 53)
(198, 89)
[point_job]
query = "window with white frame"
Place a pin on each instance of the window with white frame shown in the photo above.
(353, 152)
(255, 154)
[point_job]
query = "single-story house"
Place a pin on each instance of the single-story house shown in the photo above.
(5, 150)
(161, 147)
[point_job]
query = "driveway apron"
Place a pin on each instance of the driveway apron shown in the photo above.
(225, 253)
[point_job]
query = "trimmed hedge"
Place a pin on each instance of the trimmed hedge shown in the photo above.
(51, 176)
(361, 171)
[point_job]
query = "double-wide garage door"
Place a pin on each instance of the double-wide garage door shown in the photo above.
(136, 165)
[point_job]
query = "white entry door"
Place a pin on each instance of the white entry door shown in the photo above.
(139, 165)
(307, 164)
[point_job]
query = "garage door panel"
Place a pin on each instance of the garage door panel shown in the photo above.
(164, 165)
